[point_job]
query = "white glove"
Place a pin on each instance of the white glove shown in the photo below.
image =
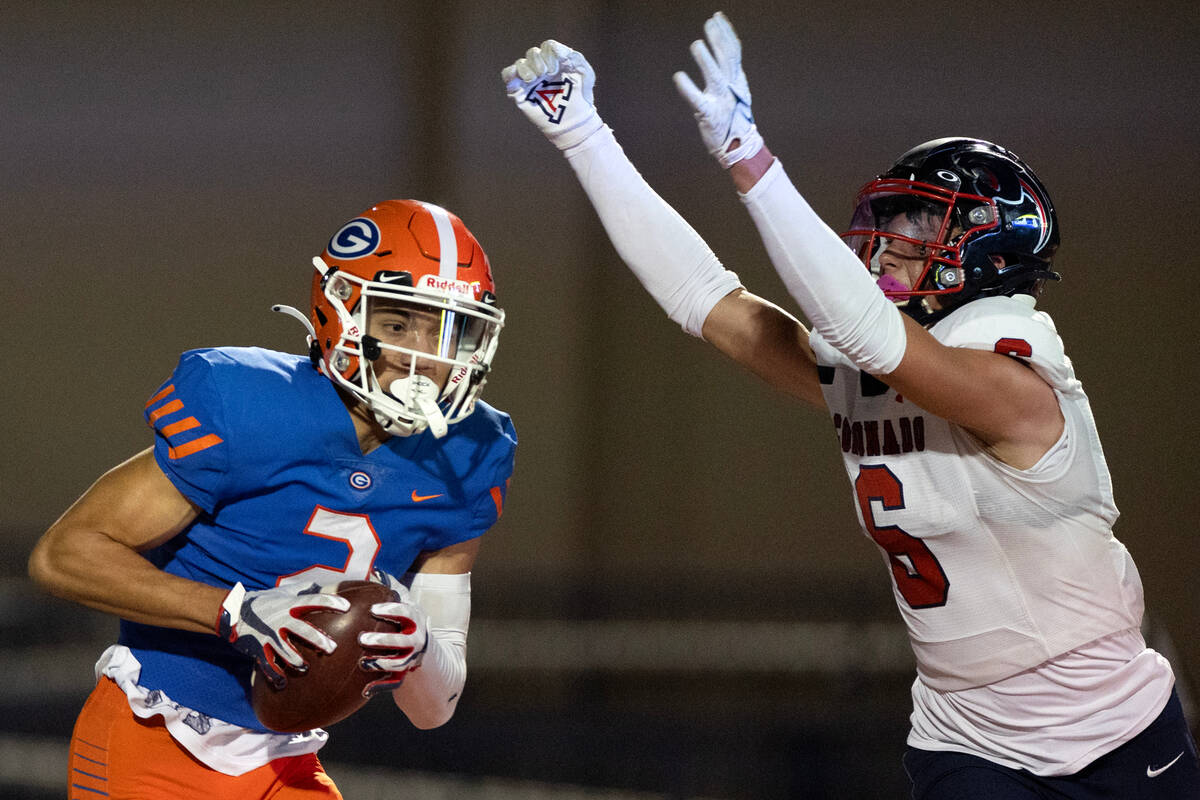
(255, 624)
(404, 650)
(722, 110)
(553, 84)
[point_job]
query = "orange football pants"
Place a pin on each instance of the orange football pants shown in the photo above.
(117, 755)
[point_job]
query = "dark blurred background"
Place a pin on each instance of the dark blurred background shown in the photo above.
(677, 602)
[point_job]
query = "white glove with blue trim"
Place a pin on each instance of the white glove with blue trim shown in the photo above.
(552, 85)
(258, 624)
(404, 650)
(722, 110)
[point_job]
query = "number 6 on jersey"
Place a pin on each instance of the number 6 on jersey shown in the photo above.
(919, 577)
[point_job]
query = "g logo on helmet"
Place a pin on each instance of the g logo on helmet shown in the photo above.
(357, 238)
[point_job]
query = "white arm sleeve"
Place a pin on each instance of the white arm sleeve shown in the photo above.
(429, 694)
(670, 259)
(832, 286)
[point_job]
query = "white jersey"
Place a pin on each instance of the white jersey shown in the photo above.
(995, 569)
(1022, 608)
(1056, 718)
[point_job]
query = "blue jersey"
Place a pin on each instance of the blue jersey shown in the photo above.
(262, 443)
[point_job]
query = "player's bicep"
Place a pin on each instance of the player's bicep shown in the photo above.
(996, 397)
(455, 559)
(768, 341)
(134, 504)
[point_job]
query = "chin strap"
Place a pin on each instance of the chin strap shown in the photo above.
(433, 415)
(414, 389)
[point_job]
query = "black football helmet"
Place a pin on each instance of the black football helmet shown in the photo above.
(957, 202)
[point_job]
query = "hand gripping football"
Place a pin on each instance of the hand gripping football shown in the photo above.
(332, 688)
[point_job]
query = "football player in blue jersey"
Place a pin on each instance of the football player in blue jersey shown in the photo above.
(371, 457)
(968, 441)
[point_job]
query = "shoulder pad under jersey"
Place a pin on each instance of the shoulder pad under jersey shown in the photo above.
(1013, 327)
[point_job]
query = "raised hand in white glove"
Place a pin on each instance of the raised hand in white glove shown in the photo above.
(255, 624)
(552, 85)
(402, 651)
(722, 110)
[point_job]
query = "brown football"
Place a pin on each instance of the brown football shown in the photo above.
(332, 688)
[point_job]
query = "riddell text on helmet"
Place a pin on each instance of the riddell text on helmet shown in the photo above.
(452, 285)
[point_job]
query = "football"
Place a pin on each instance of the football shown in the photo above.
(332, 688)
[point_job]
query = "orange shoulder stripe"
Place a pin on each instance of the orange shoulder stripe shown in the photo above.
(169, 408)
(185, 424)
(194, 446)
(166, 390)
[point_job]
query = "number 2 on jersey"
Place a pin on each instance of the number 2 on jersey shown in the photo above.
(919, 577)
(361, 540)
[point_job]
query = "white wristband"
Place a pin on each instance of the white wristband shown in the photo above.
(832, 286)
(671, 260)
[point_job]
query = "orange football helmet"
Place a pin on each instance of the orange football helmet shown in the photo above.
(420, 256)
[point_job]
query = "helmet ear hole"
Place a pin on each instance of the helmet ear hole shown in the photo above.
(948, 277)
(982, 215)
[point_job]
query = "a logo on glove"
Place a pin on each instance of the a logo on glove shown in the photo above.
(552, 98)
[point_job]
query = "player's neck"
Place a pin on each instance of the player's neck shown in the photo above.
(369, 432)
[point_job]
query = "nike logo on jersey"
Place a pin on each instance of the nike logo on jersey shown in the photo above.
(421, 498)
(1154, 773)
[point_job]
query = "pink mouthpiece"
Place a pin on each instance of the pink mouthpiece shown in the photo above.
(890, 285)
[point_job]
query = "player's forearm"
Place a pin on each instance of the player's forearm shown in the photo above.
(663, 251)
(747, 172)
(824, 277)
(429, 694)
(89, 568)
(768, 341)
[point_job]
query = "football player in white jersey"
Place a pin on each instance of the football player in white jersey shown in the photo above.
(968, 441)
